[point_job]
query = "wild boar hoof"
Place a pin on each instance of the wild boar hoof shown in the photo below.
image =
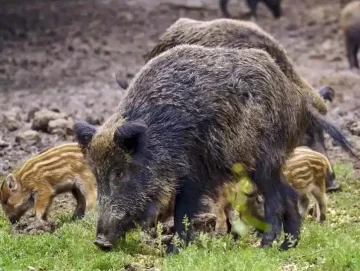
(77, 216)
(287, 245)
(102, 243)
(171, 249)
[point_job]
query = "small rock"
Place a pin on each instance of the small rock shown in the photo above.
(61, 126)
(292, 27)
(43, 117)
(4, 144)
(326, 45)
(336, 58)
(316, 55)
(89, 103)
(29, 137)
(6, 165)
(12, 120)
(32, 112)
(311, 23)
(354, 129)
(94, 120)
(55, 109)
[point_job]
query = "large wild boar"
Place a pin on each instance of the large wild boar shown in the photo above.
(350, 25)
(238, 35)
(273, 5)
(187, 117)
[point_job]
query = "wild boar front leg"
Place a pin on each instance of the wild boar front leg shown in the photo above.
(187, 204)
(42, 203)
(268, 182)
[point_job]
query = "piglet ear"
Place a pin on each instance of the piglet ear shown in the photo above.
(84, 133)
(132, 138)
(11, 182)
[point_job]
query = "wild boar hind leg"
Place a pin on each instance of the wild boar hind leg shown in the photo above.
(292, 218)
(42, 204)
(80, 204)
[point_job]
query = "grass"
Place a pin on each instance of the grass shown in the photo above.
(335, 245)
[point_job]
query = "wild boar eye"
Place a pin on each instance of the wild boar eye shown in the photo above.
(120, 174)
(116, 175)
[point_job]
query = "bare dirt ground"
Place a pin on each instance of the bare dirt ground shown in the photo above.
(64, 56)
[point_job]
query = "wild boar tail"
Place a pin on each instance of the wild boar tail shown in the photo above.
(317, 120)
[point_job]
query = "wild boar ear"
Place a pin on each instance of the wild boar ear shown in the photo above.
(327, 92)
(132, 137)
(84, 133)
(11, 182)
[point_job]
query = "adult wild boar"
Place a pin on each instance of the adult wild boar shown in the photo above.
(350, 25)
(273, 5)
(239, 35)
(234, 34)
(187, 117)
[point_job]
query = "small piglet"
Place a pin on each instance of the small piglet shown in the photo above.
(306, 170)
(54, 171)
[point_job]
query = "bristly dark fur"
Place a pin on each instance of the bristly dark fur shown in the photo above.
(205, 109)
(234, 34)
(132, 138)
(239, 35)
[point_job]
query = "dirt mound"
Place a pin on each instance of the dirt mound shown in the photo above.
(32, 225)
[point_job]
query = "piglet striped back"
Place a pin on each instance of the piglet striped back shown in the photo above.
(304, 166)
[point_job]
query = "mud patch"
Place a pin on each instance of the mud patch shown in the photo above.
(32, 225)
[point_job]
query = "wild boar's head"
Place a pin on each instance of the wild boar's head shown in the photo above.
(117, 154)
(15, 200)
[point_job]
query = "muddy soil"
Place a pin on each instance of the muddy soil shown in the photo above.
(65, 55)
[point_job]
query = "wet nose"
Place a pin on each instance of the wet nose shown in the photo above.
(102, 242)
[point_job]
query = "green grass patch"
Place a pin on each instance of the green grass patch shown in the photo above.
(334, 245)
